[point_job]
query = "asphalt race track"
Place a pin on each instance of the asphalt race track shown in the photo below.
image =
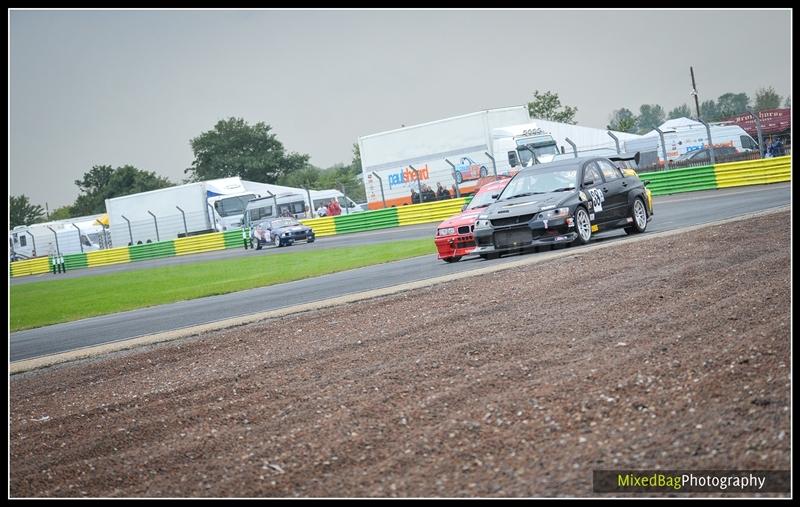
(671, 212)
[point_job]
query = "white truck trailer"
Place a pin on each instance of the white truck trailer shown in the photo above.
(477, 145)
(173, 212)
(388, 157)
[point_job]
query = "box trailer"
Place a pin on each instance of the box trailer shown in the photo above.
(174, 212)
(459, 152)
(391, 157)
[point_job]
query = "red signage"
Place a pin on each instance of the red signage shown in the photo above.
(773, 121)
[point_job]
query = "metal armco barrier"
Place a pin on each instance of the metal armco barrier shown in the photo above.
(732, 174)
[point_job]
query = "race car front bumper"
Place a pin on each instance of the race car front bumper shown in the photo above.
(457, 245)
(532, 234)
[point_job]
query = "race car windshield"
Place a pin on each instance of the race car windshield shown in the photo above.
(284, 222)
(481, 200)
(542, 181)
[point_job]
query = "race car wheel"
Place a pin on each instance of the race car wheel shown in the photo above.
(639, 215)
(452, 259)
(277, 241)
(583, 226)
(310, 240)
(484, 172)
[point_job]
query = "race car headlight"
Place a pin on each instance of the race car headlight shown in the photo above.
(553, 213)
(446, 231)
(483, 223)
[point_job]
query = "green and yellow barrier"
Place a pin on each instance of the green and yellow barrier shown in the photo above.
(37, 266)
(429, 212)
(198, 244)
(324, 226)
(106, 257)
(730, 174)
(753, 172)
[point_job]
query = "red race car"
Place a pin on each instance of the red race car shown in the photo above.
(454, 236)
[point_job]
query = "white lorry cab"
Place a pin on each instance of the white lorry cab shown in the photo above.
(524, 145)
(683, 135)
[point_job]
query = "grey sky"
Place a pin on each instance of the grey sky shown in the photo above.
(133, 87)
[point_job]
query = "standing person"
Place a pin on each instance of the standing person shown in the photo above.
(414, 197)
(768, 148)
(776, 148)
(335, 207)
(430, 195)
(322, 211)
(441, 192)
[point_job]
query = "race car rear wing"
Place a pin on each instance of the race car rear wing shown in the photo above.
(626, 157)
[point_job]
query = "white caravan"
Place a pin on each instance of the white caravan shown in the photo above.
(77, 235)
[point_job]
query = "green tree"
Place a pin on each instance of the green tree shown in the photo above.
(356, 163)
(235, 148)
(650, 117)
(787, 102)
(622, 120)
(681, 111)
(546, 106)
(732, 104)
(22, 212)
(102, 182)
(62, 213)
(307, 177)
(767, 98)
(709, 111)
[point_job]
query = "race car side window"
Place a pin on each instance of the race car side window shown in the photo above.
(592, 173)
(610, 172)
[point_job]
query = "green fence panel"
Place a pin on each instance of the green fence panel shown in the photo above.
(152, 250)
(75, 261)
(675, 181)
(366, 221)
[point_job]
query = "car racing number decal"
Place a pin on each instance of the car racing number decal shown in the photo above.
(597, 198)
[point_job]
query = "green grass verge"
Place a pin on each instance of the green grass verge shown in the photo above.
(44, 303)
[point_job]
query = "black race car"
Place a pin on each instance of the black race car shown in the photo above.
(563, 202)
(281, 231)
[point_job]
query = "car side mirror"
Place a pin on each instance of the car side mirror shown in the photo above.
(645, 182)
(495, 196)
(513, 160)
(588, 183)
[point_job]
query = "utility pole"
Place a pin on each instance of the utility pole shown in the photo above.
(694, 92)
